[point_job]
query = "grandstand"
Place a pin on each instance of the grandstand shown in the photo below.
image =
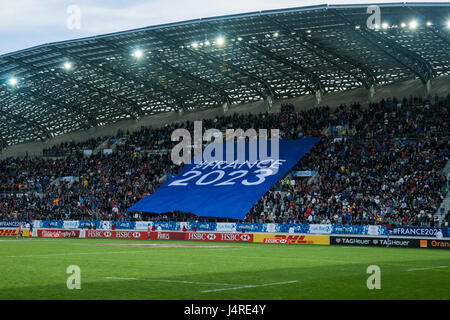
(86, 134)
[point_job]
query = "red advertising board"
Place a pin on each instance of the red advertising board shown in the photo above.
(160, 235)
(116, 234)
(215, 236)
(58, 233)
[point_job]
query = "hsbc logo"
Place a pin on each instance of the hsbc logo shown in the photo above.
(136, 235)
(245, 237)
(107, 234)
(211, 236)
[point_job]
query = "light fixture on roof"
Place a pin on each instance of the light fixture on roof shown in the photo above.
(239, 38)
(403, 25)
(357, 27)
(413, 24)
(12, 81)
(376, 26)
(384, 25)
(138, 53)
(194, 45)
(220, 40)
(207, 43)
(448, 24)
(276, 34)
(429, 23)
(67, 65)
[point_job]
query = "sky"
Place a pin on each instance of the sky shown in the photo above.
(27, 23)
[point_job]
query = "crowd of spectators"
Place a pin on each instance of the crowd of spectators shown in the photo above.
(72, 148)
(383, 164)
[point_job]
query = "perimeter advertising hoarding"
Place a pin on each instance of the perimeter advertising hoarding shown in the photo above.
(435, 244)
(58, 233)
(215, 236)
(10, 232)
(116, 234)
(295, 239)
(161, 235)
(375, 242)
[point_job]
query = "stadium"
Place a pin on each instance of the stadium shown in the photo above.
(354, 207)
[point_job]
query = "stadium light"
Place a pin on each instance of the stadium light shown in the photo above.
(67, 65)
(448, 24)
(385, 25)
(137, 53)
(220, 40)
(357, 27)
(429, 23)
(275, 34)
(207, 43)
(239, 38)
(194, 45)
(12, 81)
(403, 25)
(413, 24)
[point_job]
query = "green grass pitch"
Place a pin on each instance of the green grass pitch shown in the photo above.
(36, 269)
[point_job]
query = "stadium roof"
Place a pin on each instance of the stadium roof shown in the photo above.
(61, 87)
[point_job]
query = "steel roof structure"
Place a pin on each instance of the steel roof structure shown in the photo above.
(207, 62)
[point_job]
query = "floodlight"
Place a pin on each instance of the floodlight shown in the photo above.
(413, 24)
(220, 40)
(137, 53)
(12, 81)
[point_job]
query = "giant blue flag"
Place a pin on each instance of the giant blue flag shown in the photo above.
(226, 189)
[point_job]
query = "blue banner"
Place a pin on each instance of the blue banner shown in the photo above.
(52, 224)
(226, 190)
(419, 231)
(125, 224)
(10, 224)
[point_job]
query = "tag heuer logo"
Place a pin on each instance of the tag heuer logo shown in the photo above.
(375, 241)
(338, 240)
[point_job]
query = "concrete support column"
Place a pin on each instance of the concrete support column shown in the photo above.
(319, 96)
(371, 92)
(225, 107)
(268, 103)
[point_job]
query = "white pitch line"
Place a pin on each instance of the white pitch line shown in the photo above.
(417, 269)
(73, 254)
(251, 286)
(175, 281)
(23, 241)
